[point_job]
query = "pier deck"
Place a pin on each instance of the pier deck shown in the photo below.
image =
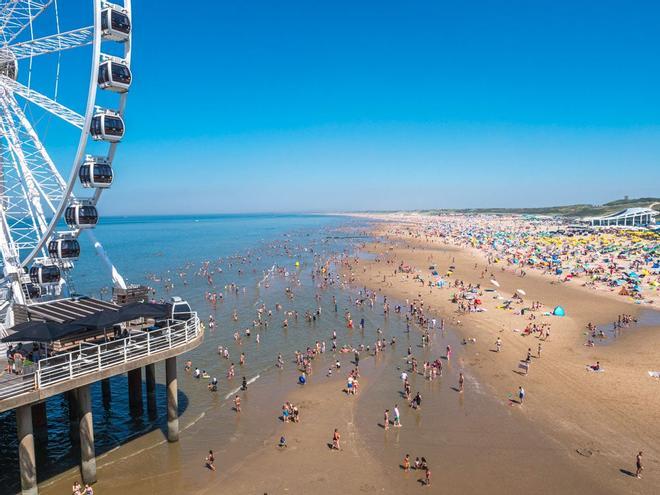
(89, 363)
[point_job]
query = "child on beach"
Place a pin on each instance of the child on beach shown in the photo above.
(210, 460)
(406, 462)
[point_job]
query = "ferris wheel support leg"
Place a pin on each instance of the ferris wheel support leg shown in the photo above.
(117, 279)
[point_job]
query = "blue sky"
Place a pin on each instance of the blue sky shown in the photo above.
(318, 106)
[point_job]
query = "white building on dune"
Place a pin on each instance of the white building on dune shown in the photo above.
(630, 217)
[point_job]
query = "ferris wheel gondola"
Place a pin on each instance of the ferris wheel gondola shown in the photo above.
(39, 189)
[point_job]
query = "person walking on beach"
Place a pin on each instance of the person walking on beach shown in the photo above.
(386, 419)
(397, 418)
(498, 344)
(335, 440)
(461, 380)
(237, 404)
(521, 395)
(406, 463)
(427, 477)
(538, 351)
(639, 466)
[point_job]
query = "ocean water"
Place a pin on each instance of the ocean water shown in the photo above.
(167, 253)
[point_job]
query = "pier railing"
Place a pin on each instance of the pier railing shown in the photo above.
(90, 358)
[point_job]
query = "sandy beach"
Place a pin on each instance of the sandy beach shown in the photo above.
(602, 419)
(578, 431)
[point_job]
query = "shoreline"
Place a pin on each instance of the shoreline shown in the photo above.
(568, 401)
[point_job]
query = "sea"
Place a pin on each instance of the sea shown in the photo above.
(249, 260)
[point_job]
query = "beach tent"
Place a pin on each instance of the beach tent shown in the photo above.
(559, 311)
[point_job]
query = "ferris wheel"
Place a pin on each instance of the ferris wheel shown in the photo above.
(64, 80)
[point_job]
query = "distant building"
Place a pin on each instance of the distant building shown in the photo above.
(630, 217)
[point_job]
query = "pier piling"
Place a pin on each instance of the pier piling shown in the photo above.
(135, 390)
(106, 391)
(172, 400)
(150, 377)
(74, 427)
(26, 455)
(87, 455)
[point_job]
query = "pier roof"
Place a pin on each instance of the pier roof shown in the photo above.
(65, 310)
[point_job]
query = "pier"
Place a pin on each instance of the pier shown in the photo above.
(73, 372)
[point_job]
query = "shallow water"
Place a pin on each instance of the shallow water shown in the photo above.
(170, 250)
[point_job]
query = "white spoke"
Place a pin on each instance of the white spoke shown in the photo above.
(33, 196)
(16, 15)
(48, 179)
(50, 44)
(21, 208)
(43, 101)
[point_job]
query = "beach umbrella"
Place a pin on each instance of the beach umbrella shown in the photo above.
(136, 310)
(521, 292)
(36, 331)
(494, 282)
(100, 320)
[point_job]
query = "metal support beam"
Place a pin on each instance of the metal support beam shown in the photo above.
(172, 400)
(87, 454)
(26, 457)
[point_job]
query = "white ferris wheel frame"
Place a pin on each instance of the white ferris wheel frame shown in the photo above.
(38, 180)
